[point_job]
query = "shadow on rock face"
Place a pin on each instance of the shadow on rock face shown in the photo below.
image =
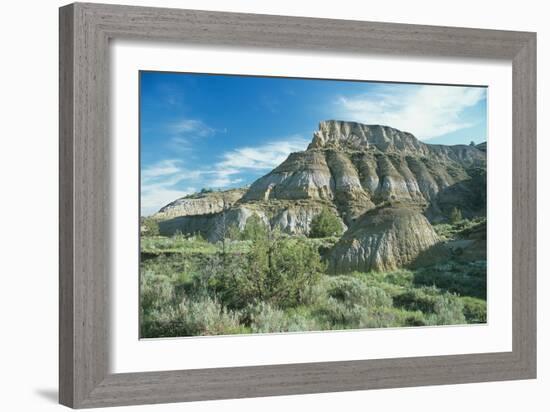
(383, 239)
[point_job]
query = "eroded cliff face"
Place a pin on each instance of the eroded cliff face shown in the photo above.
(383, 183)
(383, 239)
(293, 218)
(352, 135)
(203, 203)
(357, 167)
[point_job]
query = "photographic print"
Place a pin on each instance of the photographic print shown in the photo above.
(274, 205)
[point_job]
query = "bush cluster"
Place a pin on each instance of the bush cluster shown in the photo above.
(262, 281)
(149, 226)
(325, 224)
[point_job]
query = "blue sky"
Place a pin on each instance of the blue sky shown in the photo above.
(213, 131)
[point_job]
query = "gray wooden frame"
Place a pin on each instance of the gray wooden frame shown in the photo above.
(85, 31)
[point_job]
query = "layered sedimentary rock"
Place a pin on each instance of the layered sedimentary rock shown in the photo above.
(212, 226)
(357, 166)
(383, 239)
(356, 170)
(351, 135)
(293, 218)
(200, 204)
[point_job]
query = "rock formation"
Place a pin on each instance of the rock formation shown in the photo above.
(351, 135)
(383, 183)
(386, 238)
(203, 203)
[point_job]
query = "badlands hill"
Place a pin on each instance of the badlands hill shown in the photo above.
(386, 186)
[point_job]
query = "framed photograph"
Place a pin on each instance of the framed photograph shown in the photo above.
(256, 205)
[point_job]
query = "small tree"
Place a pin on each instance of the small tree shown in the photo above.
(254, 229)
(233, 232)
(149, 227)
(277, 269)
(456, 215)
(325, 224)
(295, 264)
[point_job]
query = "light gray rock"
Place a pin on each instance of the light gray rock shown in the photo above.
(212, 226)
(303, 175)
(353, 135)
(357, 167)
(199, 204)
(383, 239)
(296, 219)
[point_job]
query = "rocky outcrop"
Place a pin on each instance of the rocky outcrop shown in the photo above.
(212, 226)
(356, 170)
(351, 135)
(293, 218)
(385, 238)
(357, 166)
(202, 203)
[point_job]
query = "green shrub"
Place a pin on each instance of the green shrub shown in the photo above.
(449, 310)
(177, 244)
(340, 315)
(205, 316)
(352, 304)
(388, 317)
(400, 277)
(293, 265)
(276, 270)
(233, 232)
(265, 319)
(440, 308)
(461, 228)
(464, 279)
(149, 227)
(475, 310)
(156, 292)
(415, 319)
(315, 292)
(325, 224)
(392, 283)
(353, 291)
(254, 229)
(159, 323)
(302, 319)
(231, 281)
(422, 299)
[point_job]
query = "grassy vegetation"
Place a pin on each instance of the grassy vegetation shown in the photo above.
(460, 228)
(325, 224)
(274, 283)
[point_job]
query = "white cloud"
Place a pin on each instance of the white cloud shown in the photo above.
(425, 111)
(252, 160)
(153, 198)
(221, 181)
(186, 131)
(160, 169)
(159, 184)
(167, 180)
(191, 127)
(263, 157)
